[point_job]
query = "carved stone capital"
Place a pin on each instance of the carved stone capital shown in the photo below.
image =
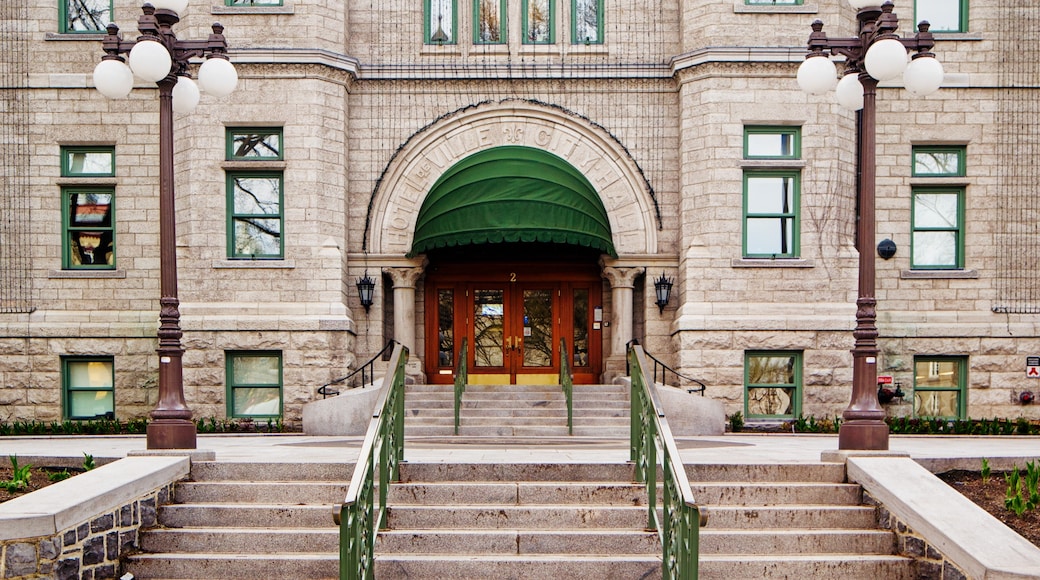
(404, 277)
(621, 277)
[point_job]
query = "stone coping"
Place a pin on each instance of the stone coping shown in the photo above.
(68, 503)
(967, 535)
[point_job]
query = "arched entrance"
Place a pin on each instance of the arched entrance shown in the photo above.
(513, 235)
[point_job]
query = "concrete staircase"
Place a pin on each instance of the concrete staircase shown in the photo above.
(531, 521)
(517, 411)
(790, 521)
(247, 520)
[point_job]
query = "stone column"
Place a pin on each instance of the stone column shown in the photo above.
(622, 283)
(404, 311)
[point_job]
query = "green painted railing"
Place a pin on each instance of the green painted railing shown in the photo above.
(567, 383)
(363, 512)
(680, 519)
(461, 377)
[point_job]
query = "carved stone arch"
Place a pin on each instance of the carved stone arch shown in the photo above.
(407, 180)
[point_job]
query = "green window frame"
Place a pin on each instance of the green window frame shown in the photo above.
(772, 384)
(489, 22)
(941, 387)
(440, 25)
(254, 144)
(773, 2)
(88, 161)
(88, 228)
(255, 218)
(939, 161)
(539, 21)
(88, 387)
(943, 15)
(586, 21)
(252, 2)
(84, 16)
(937, 237)
(771, 214)
(254, 383)
(765, 142)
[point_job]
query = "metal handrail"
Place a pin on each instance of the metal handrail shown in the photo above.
(665, 369)
(652, 443)
(359, 517)
(461, 378)
(567, 383)
(366, 370)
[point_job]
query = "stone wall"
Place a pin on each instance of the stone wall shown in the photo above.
(88, 551)
(930, 563)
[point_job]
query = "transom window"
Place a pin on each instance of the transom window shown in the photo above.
(84, 16)
(938, 226)
(88, 161)
(772, 143)
(254, 384)
(934, 161)
(773, 384)
(440, 25)
(940, 385)
(943, 15)
(88, 385)
(245, 144)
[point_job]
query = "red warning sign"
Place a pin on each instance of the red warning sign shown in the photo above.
(1033, 367)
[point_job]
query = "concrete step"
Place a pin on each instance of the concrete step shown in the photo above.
(512, 542)
(778, 493)
(216, 515)
(302, 471)
(846, 566)
(766, 472)
(313, 492)
(528, 517)
(242, 540)
(233, 565)
(516, 493)
(804, 517)
(413, 472)
(793, 541)
(603, 432)
(528, 567)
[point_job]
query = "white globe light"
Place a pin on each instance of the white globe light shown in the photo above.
(924, 76)
(185, 95)
(850, 92)
(817, 75)
(113, 79)
(886, 59)
(178, 6)
(861, 4)
(218, 77)
(150, 61)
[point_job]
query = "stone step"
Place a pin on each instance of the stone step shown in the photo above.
(602, 432)
(765, 472)
(801, 516)
(793, 541)
(414, 472)
(302, 471)
(511, 421)
(242, 540)
(779, 493)
(405, 517)
(846, 566)
(516, 493)
(216, 515)
(311, 492)
(502, 408)
(528, 567)
(499, 542)
(312, 566)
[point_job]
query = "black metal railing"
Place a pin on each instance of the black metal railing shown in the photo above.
(661, 370)
(366, 372)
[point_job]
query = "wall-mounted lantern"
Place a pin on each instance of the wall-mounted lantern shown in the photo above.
(366, 289)
(663, 289)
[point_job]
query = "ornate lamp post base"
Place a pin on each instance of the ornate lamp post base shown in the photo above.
(171, 434)
(863, 434)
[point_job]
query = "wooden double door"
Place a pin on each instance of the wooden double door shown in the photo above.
(516, 318)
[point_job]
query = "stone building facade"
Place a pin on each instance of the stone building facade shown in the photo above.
(360, 129)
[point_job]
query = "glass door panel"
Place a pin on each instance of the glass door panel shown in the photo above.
(537, 341)
(488, 328)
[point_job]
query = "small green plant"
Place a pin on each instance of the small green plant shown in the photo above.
(1013, 495)
(985, 471)
(736, 422)
(56, 476)
(88, 462)
(19, 479)
(1031, 493)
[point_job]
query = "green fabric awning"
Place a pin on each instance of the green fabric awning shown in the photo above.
(512, 194)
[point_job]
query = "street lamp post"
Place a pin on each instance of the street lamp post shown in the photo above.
(158, 56)
(876, 55)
